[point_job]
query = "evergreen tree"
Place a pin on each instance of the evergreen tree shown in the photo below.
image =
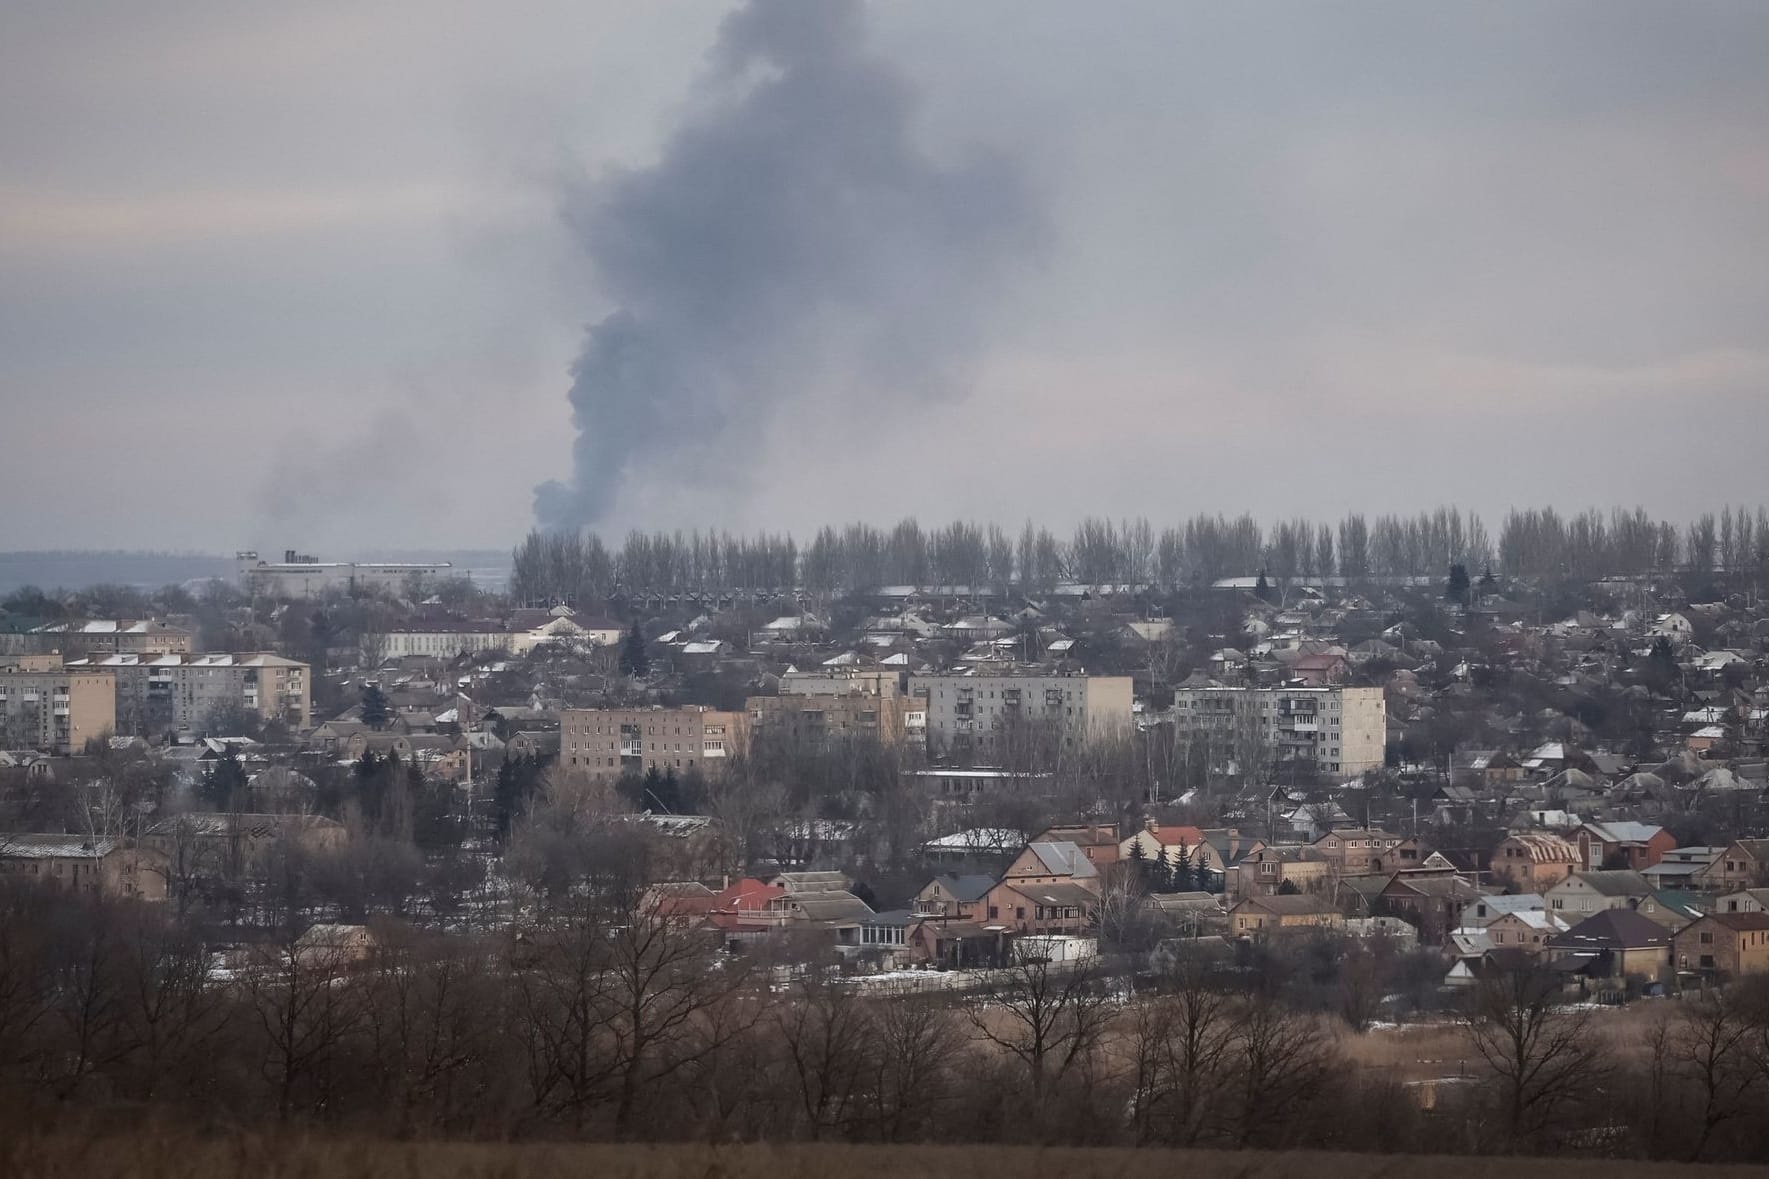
(225, 781)
(1139, 865)
(1457, 589)
(633, 659)
(375, 711)
(1182, 869)
(1170, 869)
(1262, 591)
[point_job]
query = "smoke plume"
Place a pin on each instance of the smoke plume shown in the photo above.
(790, 243)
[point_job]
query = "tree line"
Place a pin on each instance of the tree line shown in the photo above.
(605, 1017)
(976, 558)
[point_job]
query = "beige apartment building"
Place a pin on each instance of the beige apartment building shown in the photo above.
(890, 720)
(839, 682)
(609, 742)
(53, 706)
(975, 714)
(106, 636)
(158, 694)
(1342, 731)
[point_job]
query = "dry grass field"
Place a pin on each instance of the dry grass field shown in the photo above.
(154, 1156)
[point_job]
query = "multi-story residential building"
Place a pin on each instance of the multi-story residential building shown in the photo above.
(1342, 731)
(181, 693)
(50, 705)
(609, 742)
(889, 720)
(111, 636)
(841, 682)
(978, 714)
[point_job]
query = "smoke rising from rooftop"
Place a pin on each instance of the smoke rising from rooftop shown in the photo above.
(791, 242)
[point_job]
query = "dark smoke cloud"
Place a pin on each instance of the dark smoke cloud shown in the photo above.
(791, 242)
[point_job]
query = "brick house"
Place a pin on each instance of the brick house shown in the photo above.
(1534, 861)
(1723, 945)
(1622, 845)
(1744, 864)
(1265, 871)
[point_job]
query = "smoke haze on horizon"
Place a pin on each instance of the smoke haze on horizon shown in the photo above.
(303, 274)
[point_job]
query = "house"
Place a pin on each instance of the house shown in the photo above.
(1098, 841)
(1532, 861)
(1584, 893)
(1363, 851)
(83, 864)
(1042, 907)
(954, 898)
(959, 945)
(1053, 862)
(1749, 900)
(1485, 910)
(1151, 842)
(1266, 871)
(1622, 845)
(327, 944)
(1433, 903)
(1615, 944)
(836, 911)
(1670, 908)
(1527, 930)
(1260, 915)
(1723, 945)
(1744, 864)
(1679, 867)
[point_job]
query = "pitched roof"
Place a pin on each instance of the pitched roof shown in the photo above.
(1742, 922)
(1063, 859)
(1616, 883)
(1542, 848)
(1298, 905)
(967, 888)
(1056, 894)
(1612, 929)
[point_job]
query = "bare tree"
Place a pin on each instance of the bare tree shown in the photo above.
(1047, 1016)
(1541, 1058)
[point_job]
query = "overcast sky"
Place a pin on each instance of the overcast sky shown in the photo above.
(306, 275)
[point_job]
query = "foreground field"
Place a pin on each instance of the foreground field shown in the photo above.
(156, 1156)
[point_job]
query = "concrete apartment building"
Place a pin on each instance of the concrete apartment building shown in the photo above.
(1343, 731)
(48, 705)
(106, 636)
(178, 693)
(973, 712)
(609, 742)
(890, 720)
(836, 682)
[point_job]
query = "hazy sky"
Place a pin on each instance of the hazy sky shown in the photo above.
(316, 274)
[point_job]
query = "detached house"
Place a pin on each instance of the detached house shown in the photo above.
(1744, 864)
(1622, 845)
(1533, 861)
(1051, 887)
(1367, 851)
(1585, 893)
(1723, 945)
(1262, 915)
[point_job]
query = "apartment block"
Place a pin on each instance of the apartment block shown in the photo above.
(1341, 730)
(110, 636)
(889, 720)
(977, 713)
(49, 705)
(609, 742)
(158, 694)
